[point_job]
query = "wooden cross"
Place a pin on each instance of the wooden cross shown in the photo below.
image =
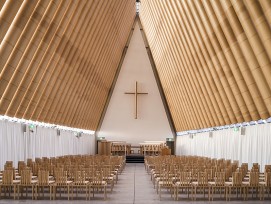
(135, 93)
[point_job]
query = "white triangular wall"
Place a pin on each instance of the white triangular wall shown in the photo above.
(152, 123)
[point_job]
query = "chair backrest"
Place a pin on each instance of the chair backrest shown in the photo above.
(166, 177)
(9, 164)
(43, 178)
(26, 176)
(79, 177)
(29, 162)
(106, 171)
(255, 166)
(268, 179)
(210, 174)
(35, 168)
(202, 179)
(220, 178)
(61, 177)
(98, 178)
(237, 178)
(185, 178)
(267, 168)
(57, 169)
(254, 179)
(244, 166)
(195, 173)
(21, 166)
(7, 178)
(11, 169)
(89, 174)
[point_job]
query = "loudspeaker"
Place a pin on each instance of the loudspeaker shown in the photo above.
(243, 130)
(24, 127)
(211, 134)
(170, 145)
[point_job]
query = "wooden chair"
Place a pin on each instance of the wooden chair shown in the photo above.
(8, 183)
(61, 181)
(265, 185)
(201, 183)
(166, 182)
(108, 176)
(44, 182)
(99, 183)
(235, 184)
(219, 183)
(252, 184)
(25, 182)
(184, 183)
(80, 182)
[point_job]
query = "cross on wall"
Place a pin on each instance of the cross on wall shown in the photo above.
(136, 93)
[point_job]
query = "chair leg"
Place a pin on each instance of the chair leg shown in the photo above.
(177, 193)
(14, 189)
(50, 190)
(159, 192)
(68, 192)
(213, 189)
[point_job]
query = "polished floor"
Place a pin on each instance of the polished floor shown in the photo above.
(134, 187)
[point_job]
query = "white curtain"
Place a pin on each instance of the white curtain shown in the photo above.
(253, 147)
(17, 145)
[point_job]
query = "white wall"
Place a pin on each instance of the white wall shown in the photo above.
(253, 147)
(119, 123)
(15, 145)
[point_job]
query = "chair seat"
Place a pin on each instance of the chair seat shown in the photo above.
(98, 183)
(109, 178)
(69, 182)
(85, 182)
(228, 183)
(163, 182)
(195, 183)
(16, 181)
(178, 183)
(212, 183)
(33, 182)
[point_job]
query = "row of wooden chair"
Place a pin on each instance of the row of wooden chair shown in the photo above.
(151, 149)
(193, 174)
(121, 149)
(93, 173)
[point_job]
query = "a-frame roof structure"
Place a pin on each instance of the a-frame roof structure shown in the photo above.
(58, 59)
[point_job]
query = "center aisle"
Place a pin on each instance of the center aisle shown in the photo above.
(134, 187)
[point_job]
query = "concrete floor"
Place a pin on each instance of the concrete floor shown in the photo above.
(134, 187)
